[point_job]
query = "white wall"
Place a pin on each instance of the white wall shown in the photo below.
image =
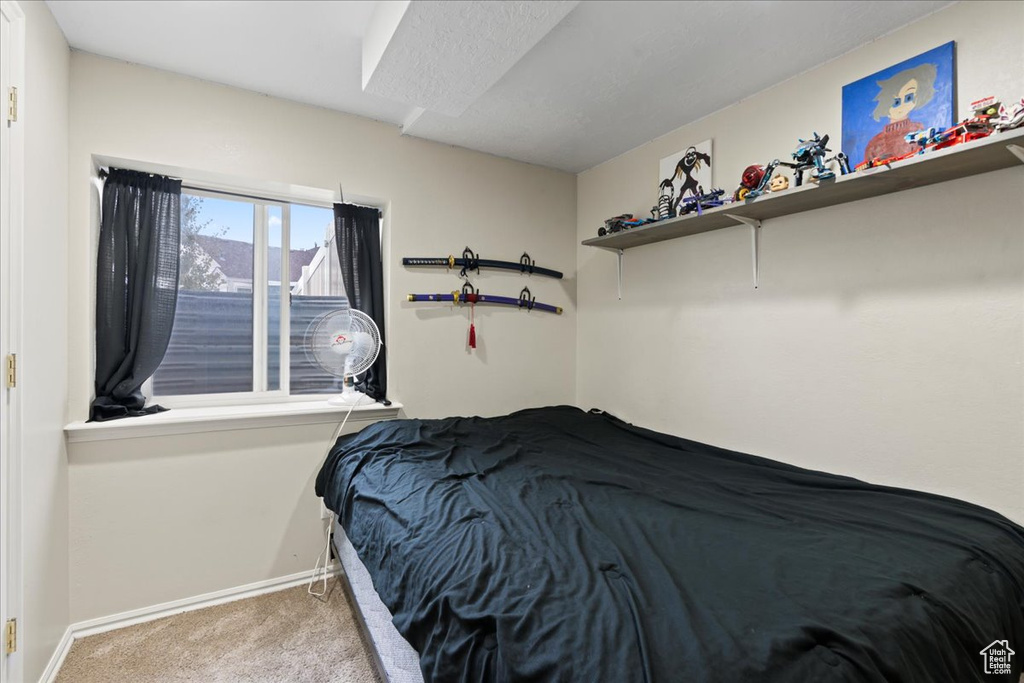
(163, 518)
(886, 340)
(42, 357)
(158, 519)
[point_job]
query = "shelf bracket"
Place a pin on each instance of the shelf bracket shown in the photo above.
(755, 233)
(618, 256)
(1017, 151)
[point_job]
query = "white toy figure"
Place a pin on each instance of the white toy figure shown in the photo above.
(1009, 119)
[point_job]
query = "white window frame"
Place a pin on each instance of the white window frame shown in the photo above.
(269, 192)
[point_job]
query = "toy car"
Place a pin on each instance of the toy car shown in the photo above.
(888, 161)
(614, 224)
(878, 161)
(961, 133)
(924, 139)
(623, 221)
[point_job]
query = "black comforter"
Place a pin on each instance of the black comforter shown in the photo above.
(558, 545)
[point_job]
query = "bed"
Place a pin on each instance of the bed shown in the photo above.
(554, 544)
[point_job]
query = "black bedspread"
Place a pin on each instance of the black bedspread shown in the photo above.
(558, 545)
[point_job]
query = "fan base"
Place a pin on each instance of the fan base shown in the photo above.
(350, 398)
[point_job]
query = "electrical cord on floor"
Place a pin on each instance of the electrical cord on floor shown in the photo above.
(328, 532)
(326, 555)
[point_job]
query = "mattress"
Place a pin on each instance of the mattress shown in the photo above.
(396, 660)
(559, 545)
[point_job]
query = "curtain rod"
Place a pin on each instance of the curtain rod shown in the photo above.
(104, 173)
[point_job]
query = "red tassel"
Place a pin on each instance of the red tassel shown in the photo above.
(472, 336)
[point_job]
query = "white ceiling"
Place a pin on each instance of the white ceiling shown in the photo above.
(563, 85)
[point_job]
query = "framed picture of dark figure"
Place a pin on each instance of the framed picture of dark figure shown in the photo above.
(881, 109)
(687, 173)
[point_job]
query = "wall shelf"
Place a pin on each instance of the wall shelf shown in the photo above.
(994, 153)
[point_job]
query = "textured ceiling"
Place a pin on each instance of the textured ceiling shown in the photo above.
(304, 50)
(614, 75)
(522, 82)
(432, 60)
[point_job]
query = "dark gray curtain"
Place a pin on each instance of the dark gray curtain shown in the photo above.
(136, 288)
(357, 234)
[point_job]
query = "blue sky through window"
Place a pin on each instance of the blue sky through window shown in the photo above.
(309, 224)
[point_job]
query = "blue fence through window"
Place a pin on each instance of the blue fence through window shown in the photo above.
(210, 350)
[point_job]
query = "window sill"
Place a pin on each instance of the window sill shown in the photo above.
(225, 418)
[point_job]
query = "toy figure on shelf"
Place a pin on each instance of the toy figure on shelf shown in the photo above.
(811, 155)
(778, 183)
(1009, 119)
(754, 181)
(665, 207)
(701, 202)
(987, 107)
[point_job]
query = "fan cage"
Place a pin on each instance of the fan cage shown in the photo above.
(343, 327)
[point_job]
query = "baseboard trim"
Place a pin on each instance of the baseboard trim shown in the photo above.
(53, 666)
(113, 622)
(139, 616)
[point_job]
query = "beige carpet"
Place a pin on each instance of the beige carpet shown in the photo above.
(282, 636)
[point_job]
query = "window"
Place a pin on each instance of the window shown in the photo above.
(235, 336)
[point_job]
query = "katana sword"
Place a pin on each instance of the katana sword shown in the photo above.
(470, 261)
(469, 296)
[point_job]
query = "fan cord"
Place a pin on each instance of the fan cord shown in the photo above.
(326, 555)
(328, 532)
(341, 427)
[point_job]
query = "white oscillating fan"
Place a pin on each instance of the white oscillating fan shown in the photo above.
(345, 343)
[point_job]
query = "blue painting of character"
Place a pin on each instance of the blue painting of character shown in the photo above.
(881, 110)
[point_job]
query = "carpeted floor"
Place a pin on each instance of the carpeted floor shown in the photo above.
(278, 637)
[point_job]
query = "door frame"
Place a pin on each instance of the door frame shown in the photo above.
(12, 175)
